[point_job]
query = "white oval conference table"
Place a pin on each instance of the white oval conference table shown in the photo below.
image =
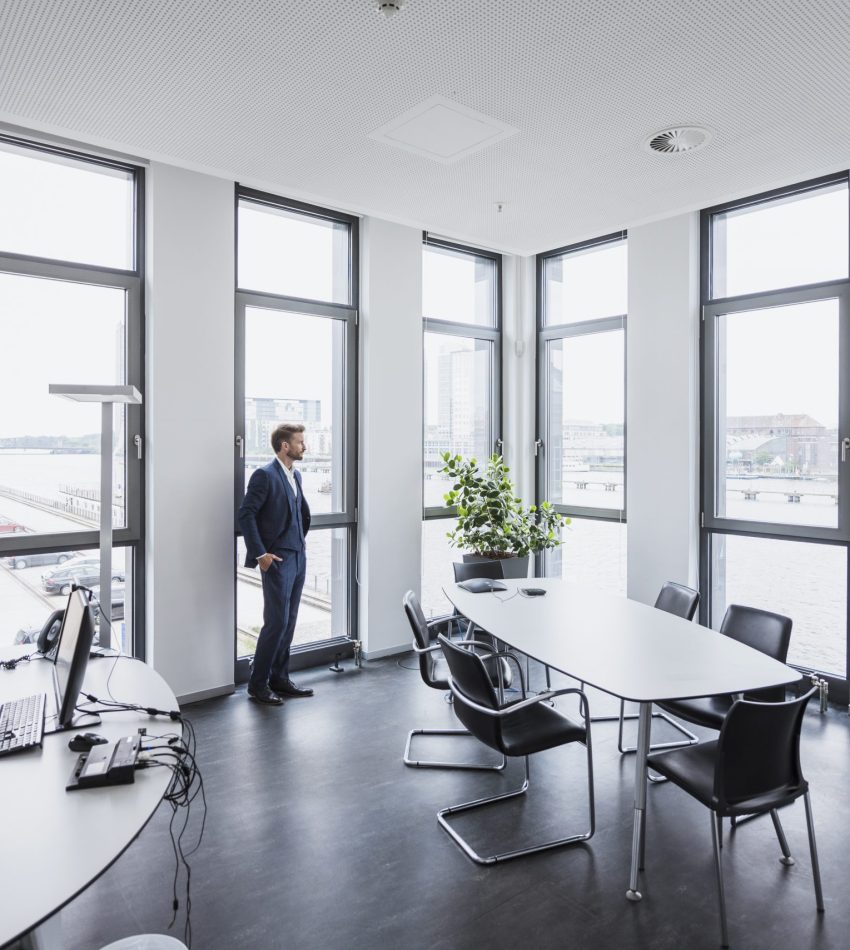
(624, 648)
(56, 843)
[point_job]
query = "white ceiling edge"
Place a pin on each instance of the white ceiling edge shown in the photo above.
(21, 126)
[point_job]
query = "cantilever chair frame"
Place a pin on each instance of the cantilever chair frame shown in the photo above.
(438, 763)
(504, 713)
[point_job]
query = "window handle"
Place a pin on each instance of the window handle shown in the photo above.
(845, 444)
(240, 444)
(538, 447)
(137, 441)
(498, 447)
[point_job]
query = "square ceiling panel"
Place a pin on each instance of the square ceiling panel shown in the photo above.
(443, 130)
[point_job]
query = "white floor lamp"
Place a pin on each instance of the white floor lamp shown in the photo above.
(107, 396)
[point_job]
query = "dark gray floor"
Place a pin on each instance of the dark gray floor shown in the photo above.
(318, 837)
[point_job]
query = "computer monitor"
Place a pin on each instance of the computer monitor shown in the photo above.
(75, 640)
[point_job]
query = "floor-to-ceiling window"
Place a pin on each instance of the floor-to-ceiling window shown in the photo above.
(70, 312)
(580, 447)
(296, 361)
(461, 308)
(776, 414)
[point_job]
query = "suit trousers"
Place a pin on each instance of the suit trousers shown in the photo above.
(282, 586)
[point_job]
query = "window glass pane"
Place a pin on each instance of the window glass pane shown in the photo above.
(458, 381)
(799, 239)
(323, 613)
(459, 287)
(777, 420)
(295, 372)
(586, 284)
(65, 209)
(57, 332)
(593, 554)
(804, 581)
(584, 444)
(437, 571)
(294, 255)
(32, 586)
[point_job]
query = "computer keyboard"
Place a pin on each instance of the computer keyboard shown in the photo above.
(22, 723)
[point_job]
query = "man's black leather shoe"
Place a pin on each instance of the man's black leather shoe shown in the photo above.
(264, 695)
(288, 688)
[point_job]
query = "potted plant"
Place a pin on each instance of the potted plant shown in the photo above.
(491, 521)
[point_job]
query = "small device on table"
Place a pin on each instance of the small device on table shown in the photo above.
(113, 763)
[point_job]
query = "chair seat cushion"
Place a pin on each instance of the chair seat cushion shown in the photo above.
(691, 768)
(709, 711)
(537, 728)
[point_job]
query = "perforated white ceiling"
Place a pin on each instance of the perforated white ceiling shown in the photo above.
(283, 93)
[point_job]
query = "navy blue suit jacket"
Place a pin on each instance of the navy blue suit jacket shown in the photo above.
(267, 513)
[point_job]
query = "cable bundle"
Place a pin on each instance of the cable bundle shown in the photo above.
(177, 752)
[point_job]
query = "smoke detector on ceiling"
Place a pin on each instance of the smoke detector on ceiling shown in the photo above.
(389, 7)
(677, 140)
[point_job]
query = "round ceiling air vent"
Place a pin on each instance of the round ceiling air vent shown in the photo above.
(676, 141)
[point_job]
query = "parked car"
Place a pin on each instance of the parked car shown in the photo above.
(7, 526)
(85, 571)
(117, 601)
(19, 561)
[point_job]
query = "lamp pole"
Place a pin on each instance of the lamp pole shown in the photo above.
(107, 396)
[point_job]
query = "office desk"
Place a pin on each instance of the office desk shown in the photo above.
(55, 843)
(624, 648)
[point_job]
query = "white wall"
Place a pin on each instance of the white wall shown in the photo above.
(662, 405)
(390, 559)
(189, 417)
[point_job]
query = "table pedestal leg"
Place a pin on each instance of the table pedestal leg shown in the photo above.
(644, 724)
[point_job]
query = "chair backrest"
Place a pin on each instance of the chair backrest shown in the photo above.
(763, 631)
(421, 634)
(469, 675)
(758, 752)
(678, 599)
(466, 570)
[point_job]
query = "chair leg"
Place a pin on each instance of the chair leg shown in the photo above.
(471, 853)
(786, 858)
(437, 764)
(813, 848)
(718, 867)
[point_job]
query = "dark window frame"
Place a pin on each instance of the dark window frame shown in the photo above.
(131, 280)
(314, 653)
(711, 309)
(562, 331)
(492, 334)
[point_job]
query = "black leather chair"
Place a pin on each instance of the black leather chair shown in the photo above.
(467, 570)
(519, 728)
(763, 631)
(434, 673)
(752, 768)
(681, 601)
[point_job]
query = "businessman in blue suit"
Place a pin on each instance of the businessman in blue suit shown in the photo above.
(274, 517)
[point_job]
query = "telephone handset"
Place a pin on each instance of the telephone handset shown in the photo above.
(47, 641)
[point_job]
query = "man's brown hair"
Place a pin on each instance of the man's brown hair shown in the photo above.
(283, 433)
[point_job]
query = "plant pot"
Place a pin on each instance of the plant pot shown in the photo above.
(512, 567)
